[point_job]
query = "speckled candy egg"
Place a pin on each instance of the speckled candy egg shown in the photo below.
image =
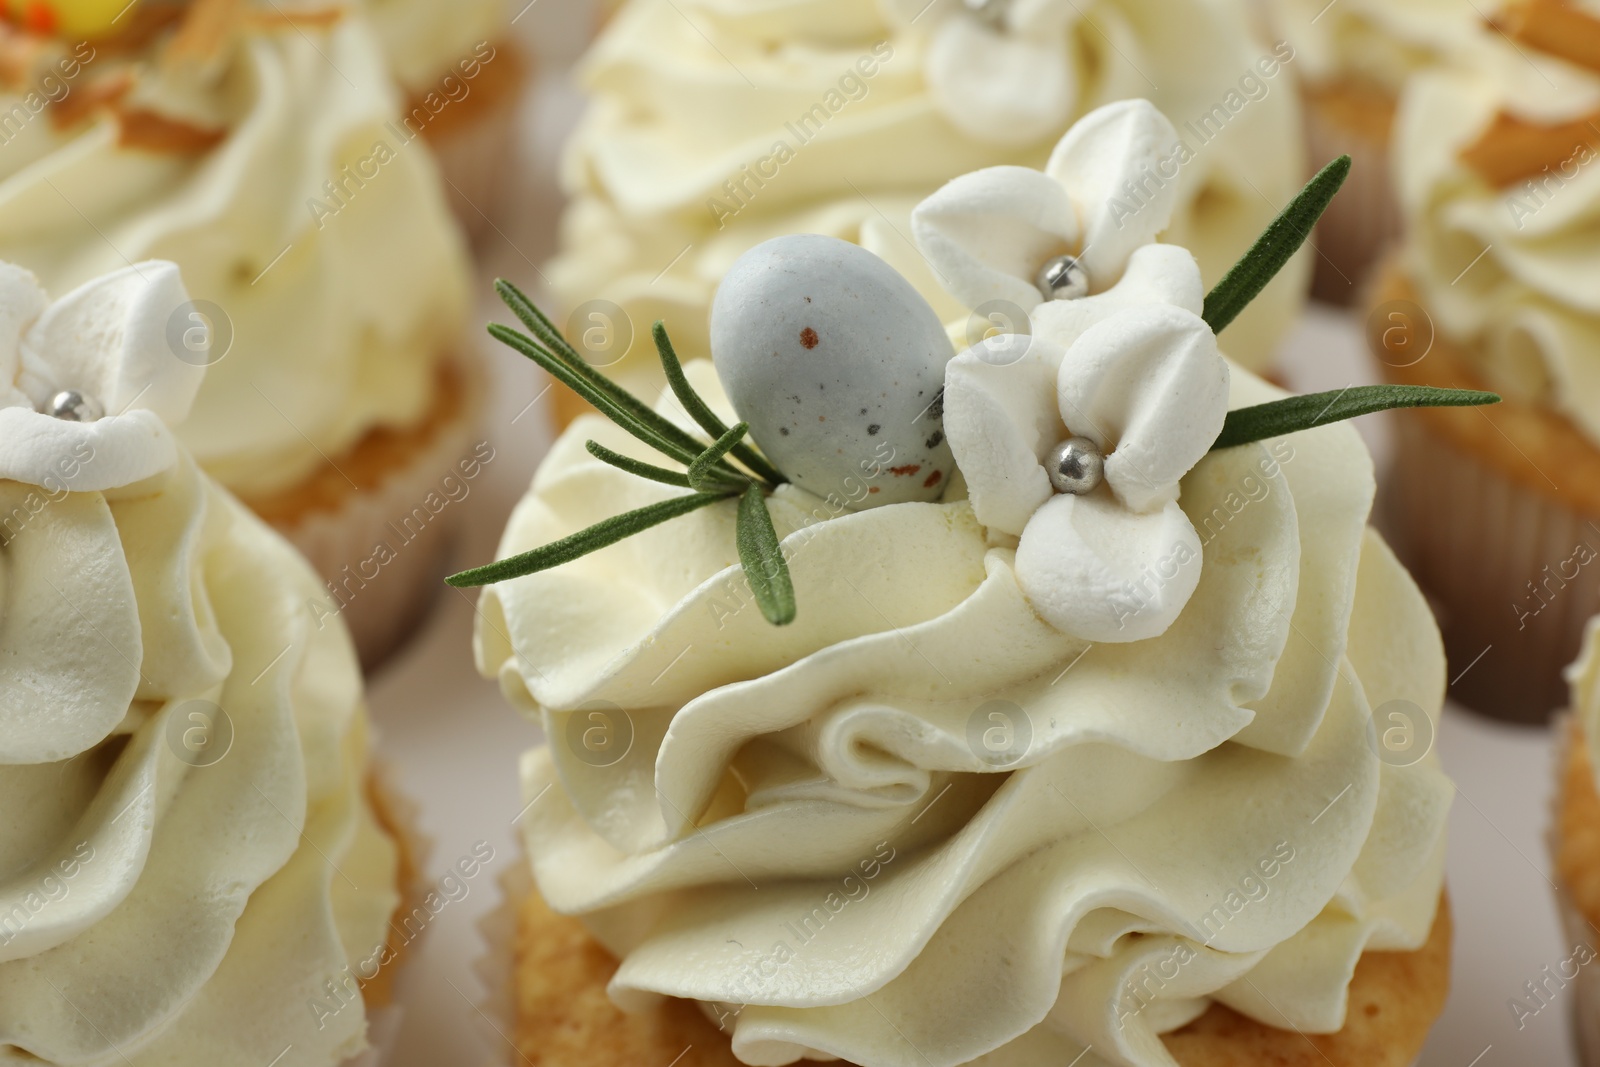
(837, 364)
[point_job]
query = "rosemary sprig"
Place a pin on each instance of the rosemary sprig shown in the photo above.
(606, 404)
(559, 348)
(603, 533)
(1281, 239)
(703, 471)
(1295, 413)
(709, 473)
(763, 561)
(697, 409)
(634, 466)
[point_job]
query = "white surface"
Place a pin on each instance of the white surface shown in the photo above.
(454, 743)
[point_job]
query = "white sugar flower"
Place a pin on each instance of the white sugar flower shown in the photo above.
(999, 70)
(90, 383)
(1071, 244)
(1119, 369)
(1147, 387)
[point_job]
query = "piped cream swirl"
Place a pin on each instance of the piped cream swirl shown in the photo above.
(1508, 271)
(813, 830)
(715, 125)
(177, 883)
(308, 218)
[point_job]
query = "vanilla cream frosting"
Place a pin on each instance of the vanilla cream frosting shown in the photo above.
(1378, 42)
(424, 40)
(315, 223)
(1512, 274)
(716, 124)
(177, 886)
(922, 825)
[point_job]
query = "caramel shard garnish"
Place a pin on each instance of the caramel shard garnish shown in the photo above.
(155, 132)
(86, 99)
(1556, 27)
(1513, 149)
(277, 18)
(206, 28)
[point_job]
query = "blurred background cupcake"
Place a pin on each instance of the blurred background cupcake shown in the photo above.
(265, 151)
(1352, 60)
(1575, 841)
(714, 126)
(200, 864)
(462, 73)
(1496, 284)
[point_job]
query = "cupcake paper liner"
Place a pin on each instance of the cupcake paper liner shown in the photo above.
(400, 816)
(384, 611)
(1364, 218)
(1509, 558)
(496, 966)
(476, 155)
(1475, 539)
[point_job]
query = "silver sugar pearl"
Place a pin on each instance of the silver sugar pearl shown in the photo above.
(73, 406)
(992, 12)
(1063, 278)
(1075, 466)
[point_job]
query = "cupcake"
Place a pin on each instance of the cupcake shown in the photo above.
(462, 73)
(1575, 843)
(1353, 61)
(1494, 511)
(1013, 706)
(201, 868)
(265, 153)
(716, 126)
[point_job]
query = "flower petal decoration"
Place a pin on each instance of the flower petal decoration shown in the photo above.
(107, 340)
(1001, 419)
(995, 85)
(986, 233)
(21, 302)
(1112, 162)
(1156, 274)
(1096, 570)
(1148, 386)
(1102, 197)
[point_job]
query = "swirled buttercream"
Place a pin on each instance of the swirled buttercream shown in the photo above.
(1381, 42)
(920, 824)
(424, 39)
(1509, 270)
(274, 171)
(179, 884)
(718, 124)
